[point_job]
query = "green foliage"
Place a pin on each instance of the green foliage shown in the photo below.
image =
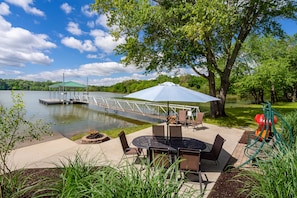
(275, 177)
(205, 36)
(14, 128)
(291, 119)
(15, 185)
(17, 84)
(242, 114)
(81, 178)
(269, 69)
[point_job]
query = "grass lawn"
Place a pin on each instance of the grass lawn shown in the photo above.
(242, 115)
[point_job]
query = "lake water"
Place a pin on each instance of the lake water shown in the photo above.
(69, 119)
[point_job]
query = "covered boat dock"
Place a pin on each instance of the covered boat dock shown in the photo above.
(66, 93)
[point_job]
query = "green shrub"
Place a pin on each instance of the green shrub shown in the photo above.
(14, 128)
(275, 177)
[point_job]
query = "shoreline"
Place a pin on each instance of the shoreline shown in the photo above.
(43, 138)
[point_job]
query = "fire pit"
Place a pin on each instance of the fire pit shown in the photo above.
(94, 138)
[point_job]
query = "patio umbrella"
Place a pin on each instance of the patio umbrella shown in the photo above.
(170, 92)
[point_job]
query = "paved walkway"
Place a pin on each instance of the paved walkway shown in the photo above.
(53, 152)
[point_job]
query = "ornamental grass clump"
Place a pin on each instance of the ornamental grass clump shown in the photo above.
(274, 177)
(291, 119)
(80, 179)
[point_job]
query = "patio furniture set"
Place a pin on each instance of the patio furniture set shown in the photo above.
(165, 150)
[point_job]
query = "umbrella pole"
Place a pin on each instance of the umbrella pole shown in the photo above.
(167, 120)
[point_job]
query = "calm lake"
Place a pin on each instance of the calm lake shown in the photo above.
(69, 119)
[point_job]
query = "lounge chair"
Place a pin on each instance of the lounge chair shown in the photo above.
(182, 117)
(198, 121)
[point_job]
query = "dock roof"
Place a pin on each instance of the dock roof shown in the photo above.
(68, 84)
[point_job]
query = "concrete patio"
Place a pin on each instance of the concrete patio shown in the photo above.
(50, 153)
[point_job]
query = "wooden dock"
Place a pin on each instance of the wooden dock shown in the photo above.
(58, 101)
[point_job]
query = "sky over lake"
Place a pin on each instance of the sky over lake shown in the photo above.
(43, 39)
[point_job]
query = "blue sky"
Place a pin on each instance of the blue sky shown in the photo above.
(43, 39)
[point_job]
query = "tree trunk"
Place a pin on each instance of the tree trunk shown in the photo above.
(261, 95)
(214, 105)
(272, 94)
(294, 93)
(255, 95)
(223, 93)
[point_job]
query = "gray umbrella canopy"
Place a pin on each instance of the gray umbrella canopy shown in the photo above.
(170, 92)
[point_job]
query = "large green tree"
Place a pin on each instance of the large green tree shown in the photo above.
(271, 68)
(200, 34)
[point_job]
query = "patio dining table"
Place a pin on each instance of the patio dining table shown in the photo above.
(173, 143)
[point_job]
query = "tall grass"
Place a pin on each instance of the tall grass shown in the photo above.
(81, 179)
(16, 184)
(291, 119)
(275, 177)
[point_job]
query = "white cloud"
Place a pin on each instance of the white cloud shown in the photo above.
(73, 28)
(91, 24)
(9, 72)
(86, 45)
(92, 56)
(25, 4)
(109, 81)
(66, 8)
(92, 70)
(112, 81)
(102, 20)
(4, 9)
(105, 41)
(86, 10)
(20, 46)
(107, 68)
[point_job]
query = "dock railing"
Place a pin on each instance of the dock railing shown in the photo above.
(151, 109)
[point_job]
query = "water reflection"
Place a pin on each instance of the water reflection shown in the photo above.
(69, 119)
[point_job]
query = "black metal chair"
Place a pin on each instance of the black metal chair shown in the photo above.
(126, 148)
(159, 157)
(158, 130)
(215, 151)
(175, 131)
(190, 162)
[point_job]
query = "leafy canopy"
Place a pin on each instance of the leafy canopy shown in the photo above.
(167, 34)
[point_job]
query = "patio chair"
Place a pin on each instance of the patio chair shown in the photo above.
(182, 117)
(175, 131)
(190, 162)
(159, 157)
(158, 130)
(215, 151)
(198, 121)
(126, 148)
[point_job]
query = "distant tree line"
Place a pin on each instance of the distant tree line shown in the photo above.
(258, 80)
(128, 86)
